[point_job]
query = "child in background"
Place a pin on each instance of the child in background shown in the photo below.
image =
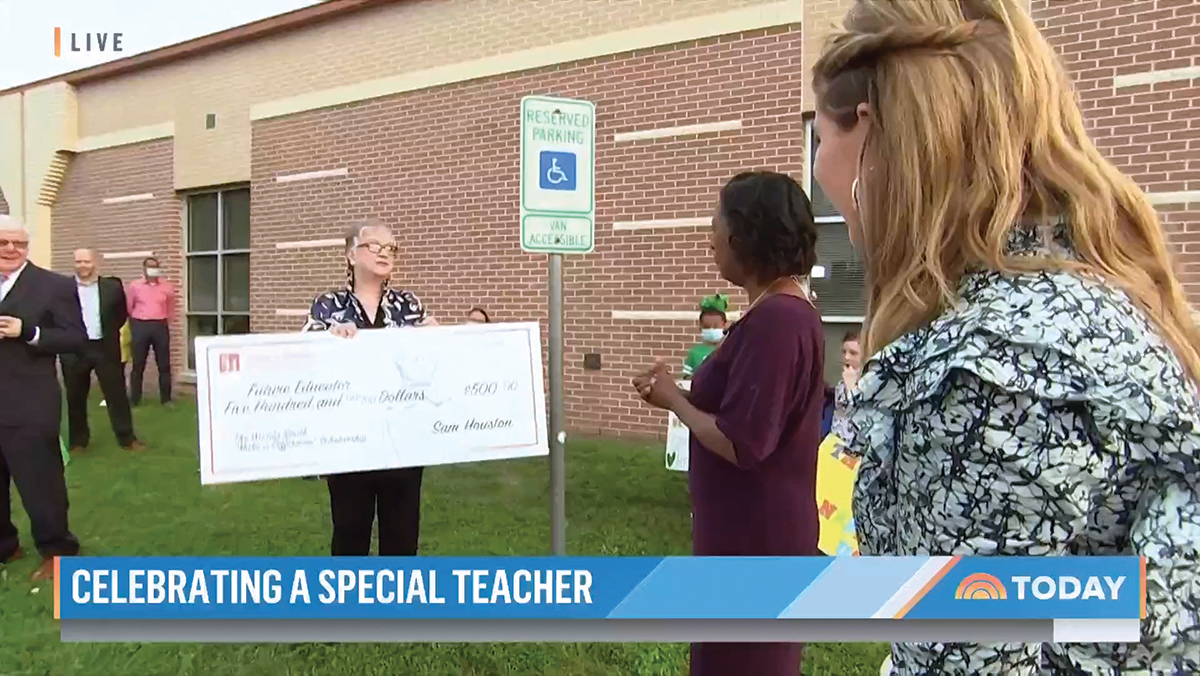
(851, 364)
(712, 331)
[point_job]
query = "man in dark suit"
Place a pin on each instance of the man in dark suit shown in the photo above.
(39, 318)
(102, 300)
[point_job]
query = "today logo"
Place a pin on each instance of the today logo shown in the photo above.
(986, 587)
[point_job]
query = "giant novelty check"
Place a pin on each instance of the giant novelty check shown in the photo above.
(288, 405)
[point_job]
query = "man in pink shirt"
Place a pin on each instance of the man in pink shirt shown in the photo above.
(151, 301)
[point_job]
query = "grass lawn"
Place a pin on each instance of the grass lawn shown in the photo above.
(621, 501)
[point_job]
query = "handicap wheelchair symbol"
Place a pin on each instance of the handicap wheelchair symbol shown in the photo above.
(556, 170)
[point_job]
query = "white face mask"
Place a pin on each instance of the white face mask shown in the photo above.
(153, 272)
(712, 335)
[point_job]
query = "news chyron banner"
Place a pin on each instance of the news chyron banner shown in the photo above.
(1065, 599)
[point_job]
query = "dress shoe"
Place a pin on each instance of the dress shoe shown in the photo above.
(15, 556)
(135, 445)
(44, 572)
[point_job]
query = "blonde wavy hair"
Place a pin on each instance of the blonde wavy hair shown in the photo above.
(974, 127)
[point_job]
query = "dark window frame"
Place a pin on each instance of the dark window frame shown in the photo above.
(219, 254)
(824, 222)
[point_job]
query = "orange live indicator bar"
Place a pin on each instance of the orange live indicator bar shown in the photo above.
(57, 41)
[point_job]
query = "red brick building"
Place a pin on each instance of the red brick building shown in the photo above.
(238, 158)
(1136, 64)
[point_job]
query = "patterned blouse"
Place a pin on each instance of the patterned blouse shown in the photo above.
(1041, 415)
(397, 308)
(841, 411)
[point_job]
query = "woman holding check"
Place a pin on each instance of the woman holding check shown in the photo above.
(368, 303)
(754, 411)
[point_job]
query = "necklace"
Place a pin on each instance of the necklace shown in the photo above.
(800, 282)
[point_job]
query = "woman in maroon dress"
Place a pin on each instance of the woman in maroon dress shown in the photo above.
(754, 411)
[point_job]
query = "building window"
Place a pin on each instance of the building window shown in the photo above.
(218, 265)
(840, 278)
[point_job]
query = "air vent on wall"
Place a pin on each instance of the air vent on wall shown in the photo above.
(210, 121)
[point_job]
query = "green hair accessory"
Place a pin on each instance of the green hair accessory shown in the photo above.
(715, 303)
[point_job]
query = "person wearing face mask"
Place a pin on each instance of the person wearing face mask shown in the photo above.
(151, 302)
(712, 330)
(367, 303)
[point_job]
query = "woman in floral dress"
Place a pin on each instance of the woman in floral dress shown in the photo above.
(1031, 362)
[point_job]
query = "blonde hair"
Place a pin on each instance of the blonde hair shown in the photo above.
(354, 231)
(975, 126)
(353, 235)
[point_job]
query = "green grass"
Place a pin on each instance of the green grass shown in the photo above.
(621, 501)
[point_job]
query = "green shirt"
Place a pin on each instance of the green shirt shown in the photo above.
(695, 357)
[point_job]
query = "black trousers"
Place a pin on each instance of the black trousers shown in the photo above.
(146, 335)
(77, 377)
(31, 459)
(354, 500)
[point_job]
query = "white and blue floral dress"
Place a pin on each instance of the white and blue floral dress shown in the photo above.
(1041, 415)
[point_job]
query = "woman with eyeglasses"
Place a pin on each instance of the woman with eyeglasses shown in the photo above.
(367, 302)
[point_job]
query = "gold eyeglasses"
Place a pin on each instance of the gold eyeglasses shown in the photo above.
(377, 248)
(19, 245)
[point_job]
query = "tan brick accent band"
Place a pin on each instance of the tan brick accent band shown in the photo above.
(697, 28)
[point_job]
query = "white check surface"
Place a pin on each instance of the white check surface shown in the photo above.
(287, 405)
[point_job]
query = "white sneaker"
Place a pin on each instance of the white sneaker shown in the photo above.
(103, 403)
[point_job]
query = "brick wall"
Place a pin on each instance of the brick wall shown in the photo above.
(1151, 131)
(394, 38)
(821, 19)
(441, 166)
(82, 220)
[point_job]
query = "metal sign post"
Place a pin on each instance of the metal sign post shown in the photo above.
(558, 427)
(558, 209)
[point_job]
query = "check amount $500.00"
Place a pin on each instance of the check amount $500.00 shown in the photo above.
(485, 389)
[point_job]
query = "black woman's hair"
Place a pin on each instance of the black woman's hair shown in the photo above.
(771, 226)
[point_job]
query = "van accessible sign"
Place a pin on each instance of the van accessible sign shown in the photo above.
(558, 160)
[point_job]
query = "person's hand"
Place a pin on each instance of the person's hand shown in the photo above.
(343, 330)
(428, 321)
(10, 327)
(656, 386)
(850, 377)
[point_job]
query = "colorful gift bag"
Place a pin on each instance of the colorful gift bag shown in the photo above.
(836, 472)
